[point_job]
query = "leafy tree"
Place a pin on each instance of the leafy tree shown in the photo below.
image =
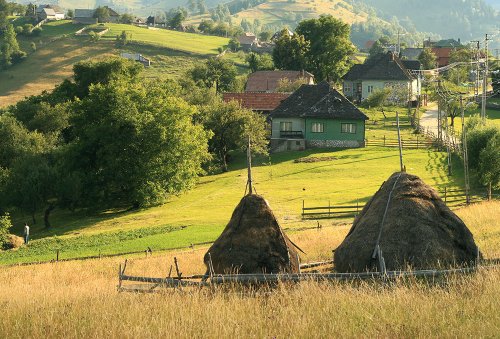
(489, 163)
(259, 62)
(10, 52)
(202, 7)
(330, 48)
(216, 72)
(289, 53)
(379, 46)
(287, 86)
(427, 58)
(122, 39)
(102, 14)
(134, 144)
(265, 35)
(126, 18)
(176, 18)
(378, 98)
(231, 126)
(5, 225)
(233, 44)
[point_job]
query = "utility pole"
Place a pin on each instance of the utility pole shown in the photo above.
(476, 82)
(465, 153)
(398, 50)
(485, 79)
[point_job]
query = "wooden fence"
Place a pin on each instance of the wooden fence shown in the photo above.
(452, 197)
(418, 142)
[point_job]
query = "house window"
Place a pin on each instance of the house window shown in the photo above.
(370, 89)
(317, 127)
(347, 88)
(285, 126)
(348, 128)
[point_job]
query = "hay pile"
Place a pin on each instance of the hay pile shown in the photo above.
(419, 231)
(12, 242)
(253, 242)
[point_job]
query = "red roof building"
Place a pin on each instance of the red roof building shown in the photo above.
(268, 81)
(262, 102)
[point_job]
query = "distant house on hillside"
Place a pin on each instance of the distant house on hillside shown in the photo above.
(50, 12)
(137, 57)
(277, 35)
(442, 49)
(268, 81)
(411, 53)
(248, 41)
(256, 101)
(87, 16)
(382, 71)
(84, 16)
(316, 116)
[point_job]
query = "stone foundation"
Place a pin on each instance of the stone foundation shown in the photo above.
(335, 144)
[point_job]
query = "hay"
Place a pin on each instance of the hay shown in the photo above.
(13, 242)
(253, 242)
(419, 231)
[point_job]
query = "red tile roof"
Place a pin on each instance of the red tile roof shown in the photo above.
(268, 81)
(257, 101)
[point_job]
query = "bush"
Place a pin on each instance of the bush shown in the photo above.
(18, 56)
(5, 224)
(36, 31)
(18, 30)
(27, 28)
(377, 98)
(33, 46)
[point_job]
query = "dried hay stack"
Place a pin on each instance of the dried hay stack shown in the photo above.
(252, 242)
(419, 231)
(12, 242)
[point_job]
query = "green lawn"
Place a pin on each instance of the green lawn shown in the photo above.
(186, 42)
(350, 176)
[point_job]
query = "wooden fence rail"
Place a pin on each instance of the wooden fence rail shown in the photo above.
(408, 143)
(452, 198)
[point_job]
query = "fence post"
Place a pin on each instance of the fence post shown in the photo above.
(329, 214)
(357, 208)
(57, 255)
(417, 141)
(384, 140)
(445, 195)
(303, 206)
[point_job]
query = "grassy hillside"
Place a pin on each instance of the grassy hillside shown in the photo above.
(79, 299)
(58, 49)
(284, 12)
(335, 176)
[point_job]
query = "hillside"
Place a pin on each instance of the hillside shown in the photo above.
(58, 49)
(317, 177)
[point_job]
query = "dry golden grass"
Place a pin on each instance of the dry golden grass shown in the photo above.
(79, 299)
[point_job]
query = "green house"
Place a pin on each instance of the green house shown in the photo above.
(316, 116)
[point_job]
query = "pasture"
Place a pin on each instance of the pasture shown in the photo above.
(79, 299)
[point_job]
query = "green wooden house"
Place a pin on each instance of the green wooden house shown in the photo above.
(316, 116)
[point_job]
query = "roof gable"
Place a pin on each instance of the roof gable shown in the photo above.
(318, 101)
(382, 67)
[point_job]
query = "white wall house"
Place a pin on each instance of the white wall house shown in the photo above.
(384, 71)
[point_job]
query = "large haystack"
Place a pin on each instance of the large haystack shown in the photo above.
(253, 242)
(419, 231)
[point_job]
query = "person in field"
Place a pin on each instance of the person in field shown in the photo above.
(26, 233)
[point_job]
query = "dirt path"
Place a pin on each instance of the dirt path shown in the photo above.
(429, 120)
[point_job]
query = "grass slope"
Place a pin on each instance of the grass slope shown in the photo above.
(338, 176)
(79, 299)
(171, 53)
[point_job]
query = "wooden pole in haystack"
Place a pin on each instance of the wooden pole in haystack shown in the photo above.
(249, 165)
(400, 145)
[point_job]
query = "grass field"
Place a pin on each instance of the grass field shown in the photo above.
(171, 53)
(343, 177)
(79, 299)
(179, 41)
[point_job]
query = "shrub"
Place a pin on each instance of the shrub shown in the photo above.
(27, 29)
(5, 224)
(377, 98)
(36, 31)
(19, 30)
(33, 46)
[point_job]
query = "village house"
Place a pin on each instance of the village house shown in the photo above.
(50, 12)
(257, 101)
(382, 71)
(248, 41)
(316, 116)
(269, 81)
(411, 53)
(84, 16)
(442, 49)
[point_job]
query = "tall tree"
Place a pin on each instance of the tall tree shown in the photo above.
(232, 126)
(328, 56)
(9, 48)
(215, 72)
(102, 14)
(290, 52)
(427, 58)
